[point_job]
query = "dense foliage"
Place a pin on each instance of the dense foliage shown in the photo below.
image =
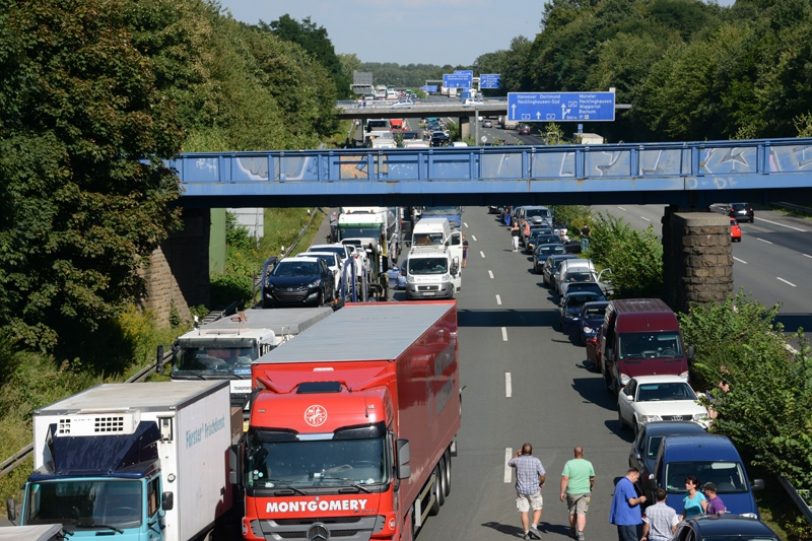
(94, 94)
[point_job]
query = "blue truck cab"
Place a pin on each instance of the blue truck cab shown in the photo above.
(711, 458)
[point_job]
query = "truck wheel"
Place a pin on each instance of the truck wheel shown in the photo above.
(447, 458)
(436, 494)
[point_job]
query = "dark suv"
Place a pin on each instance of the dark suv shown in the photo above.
(743, 212)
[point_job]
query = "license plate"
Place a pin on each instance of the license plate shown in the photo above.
(429, 293)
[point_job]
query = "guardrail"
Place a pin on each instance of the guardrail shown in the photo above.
(22, 455)
(796, 498)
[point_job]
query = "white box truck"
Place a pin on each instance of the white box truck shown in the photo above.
(138, 461)
(225, 348)
(44, 532)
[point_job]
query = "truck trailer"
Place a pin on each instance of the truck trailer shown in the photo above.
(225, 348)
(138, 461)
(354, 426)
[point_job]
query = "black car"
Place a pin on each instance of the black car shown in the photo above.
(523, 129)
(542, 252)
(650, 436)
(743, 212)
(571, 304)
(724, 527)
(591, 319)
(551, 267)
(439, 139)
(299, 281)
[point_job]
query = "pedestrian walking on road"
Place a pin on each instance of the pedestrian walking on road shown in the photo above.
(625, 512)
(514, 236)
(577, 481)
(464, 253)
(660, 521)
(530, 476)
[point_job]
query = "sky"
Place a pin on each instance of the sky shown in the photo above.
(436, 32)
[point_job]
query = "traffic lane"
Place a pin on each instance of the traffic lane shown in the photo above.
(555, 402)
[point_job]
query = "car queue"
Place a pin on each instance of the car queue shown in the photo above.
(637, 347)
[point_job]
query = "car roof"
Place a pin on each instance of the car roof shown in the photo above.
(315, 253)
(673, 428)
(729, 524)
(663, 378)
(596, 304)
(299, 259)
(688, 447)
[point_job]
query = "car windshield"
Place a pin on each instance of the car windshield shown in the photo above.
(739, 206)
(279, 460)
(428, 265)
(650, 392)
(650, 345)
(86, 504)
(579, 277)
(296, 268)
(727, 476)
(329, 260)
(582, 297)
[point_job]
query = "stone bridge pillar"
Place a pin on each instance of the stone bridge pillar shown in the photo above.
(465, 127)
(697, 258)
(177, 274)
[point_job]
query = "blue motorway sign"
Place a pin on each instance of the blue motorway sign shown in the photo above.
(561, 106)
(469, 73)
(458, 80)
(490, 80)
(429, 89)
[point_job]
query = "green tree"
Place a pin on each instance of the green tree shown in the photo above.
(84, 195)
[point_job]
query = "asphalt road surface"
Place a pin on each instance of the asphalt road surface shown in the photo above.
(523, 381)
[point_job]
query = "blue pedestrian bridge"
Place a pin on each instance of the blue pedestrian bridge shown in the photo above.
(690, 174)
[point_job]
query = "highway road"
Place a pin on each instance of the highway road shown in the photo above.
(773, 262)
(523, 382)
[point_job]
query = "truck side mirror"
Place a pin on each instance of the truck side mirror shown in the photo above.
(758, 484)
(159, 359)
(168, 500)
(11, 510)
(404, 470)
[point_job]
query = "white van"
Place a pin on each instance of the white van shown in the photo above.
(432, 273)
(437, 232)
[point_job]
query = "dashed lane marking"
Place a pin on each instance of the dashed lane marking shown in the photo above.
(785, 281)
(508, 385)
(504, 334)
(742, 261)
(498, 300)
(508, 473)
(490, 274)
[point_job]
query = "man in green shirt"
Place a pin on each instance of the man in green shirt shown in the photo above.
(577, 481)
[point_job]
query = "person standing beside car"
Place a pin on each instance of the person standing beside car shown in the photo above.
(694, 501)
(625, 512)
(714, 504)
(660, 520)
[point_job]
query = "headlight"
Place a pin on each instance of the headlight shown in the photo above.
(684, 375)
(749, 515)
(700, 417)
(410, 279)
(624, 379)
(316, 283)
(649, 418)
(588, 330)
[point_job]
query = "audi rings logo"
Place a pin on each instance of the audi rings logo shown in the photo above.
(318, 532)
(315, 415)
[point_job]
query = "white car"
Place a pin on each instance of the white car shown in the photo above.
(659, 398)
(331, 260)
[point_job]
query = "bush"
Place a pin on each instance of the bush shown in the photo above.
(636, 258)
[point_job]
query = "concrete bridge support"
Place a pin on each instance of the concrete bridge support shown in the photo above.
(177, 273)
(697, 258)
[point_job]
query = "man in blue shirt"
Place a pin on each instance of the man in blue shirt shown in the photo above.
(530, 477)
(625, 512)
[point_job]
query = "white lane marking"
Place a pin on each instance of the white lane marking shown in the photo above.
(482, 254)
(807, 255)
(498, 300)
(785, 281)
(508, 469)
(783, 225)
(473, 237)
(504, 334)
(742, 261)
(791, 349)
(508, 385)
(465, 224)
(763, 240)
(490, 273)
(623, 209)
(645, 219)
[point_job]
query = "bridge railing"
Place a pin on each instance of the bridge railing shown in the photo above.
(703, 165)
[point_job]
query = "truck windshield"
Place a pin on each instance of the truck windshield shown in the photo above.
(86, 504)
(214, 357)
(428, 265)
(649, 345)
(727, 476)
(362, 231)
(278, 460)
(441, 211)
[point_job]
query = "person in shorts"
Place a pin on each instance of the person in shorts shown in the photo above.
(530, 476)
(577, 481)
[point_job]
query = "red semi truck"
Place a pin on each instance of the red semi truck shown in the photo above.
(353, 425)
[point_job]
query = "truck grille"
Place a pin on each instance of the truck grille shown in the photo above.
(344, 528)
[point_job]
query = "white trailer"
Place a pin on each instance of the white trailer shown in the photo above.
(137, 459)
(44, 532)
